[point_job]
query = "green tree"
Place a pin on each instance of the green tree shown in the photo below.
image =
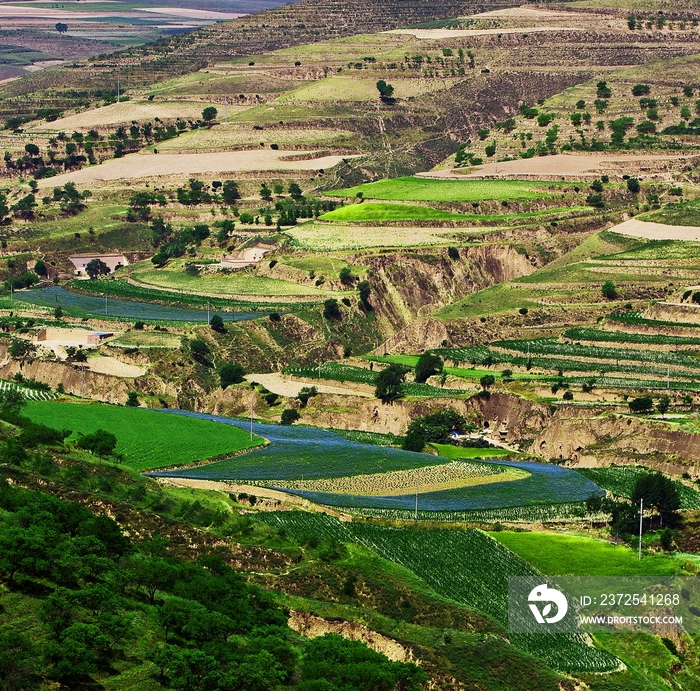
(331, 309)
(230, 192)
(364, 288)
(12, 401)
(295, 191)
(658, 492)
(40, 267)
(100, 443)
(641, 404)
(305, 393)
(96, 268)
(209, 114)
(633, 185)
(231, 373)
(609, 290)
(346, 276)
(386, 91)
(389, 383)
(487, 380)
(663, 404)
(132, 400)
(217, 323)
(428, 364)
(289, 416)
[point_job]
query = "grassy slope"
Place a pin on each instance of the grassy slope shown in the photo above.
(573, 555)
(147, 439)
(558, 282)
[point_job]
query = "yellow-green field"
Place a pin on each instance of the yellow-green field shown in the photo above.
(326, 237)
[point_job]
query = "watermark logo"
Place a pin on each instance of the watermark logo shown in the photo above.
(552, 596)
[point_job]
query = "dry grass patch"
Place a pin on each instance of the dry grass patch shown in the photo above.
(149, 165)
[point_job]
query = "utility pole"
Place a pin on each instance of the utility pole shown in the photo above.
(641, 515)
(251, 420)
(319, 371)
(208, 313)
(118, 89)
(416, 499)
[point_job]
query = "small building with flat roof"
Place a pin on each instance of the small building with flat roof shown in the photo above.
(113, 261)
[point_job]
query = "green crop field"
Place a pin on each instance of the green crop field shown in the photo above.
(619, 480)
(373, 211)
(390, 212)
(658, 250)
(468, 567)
(598, 335)
(147, 439)
(430, 190)
(239, 283)
(681, 214)
(574, 555)
(335, 371)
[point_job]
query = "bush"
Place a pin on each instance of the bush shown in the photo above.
(608, 290)
(289, 416)
(428, 364)
(453, 253)
(568, 396)
(331, 309)
(305, 393)
(138, 326)
(217, 323)
(231, 374)
(633, 185)
(271, 398)
(641, 404)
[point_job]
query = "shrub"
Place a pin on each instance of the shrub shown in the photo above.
(609, 290)
(331, 310)
(289, 416)
(641, 404)
(217, 323)
(428, 364)
(231, 373)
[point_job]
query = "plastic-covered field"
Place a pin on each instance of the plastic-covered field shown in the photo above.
(301, 452)
(77, 304)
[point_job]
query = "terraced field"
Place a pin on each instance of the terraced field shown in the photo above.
(466, 566)
(430, 190)
(619, 480)
(336, 371)
(306, 454)
(147, 439)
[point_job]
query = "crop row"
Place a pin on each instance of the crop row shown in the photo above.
(543, 513)
(586, 334)
(336, 371)
(29, 394)
(466, 566)
(404, 481)
(636, 319)
(546, 484)
(551, 346)
(373, 438)
(620, 479)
